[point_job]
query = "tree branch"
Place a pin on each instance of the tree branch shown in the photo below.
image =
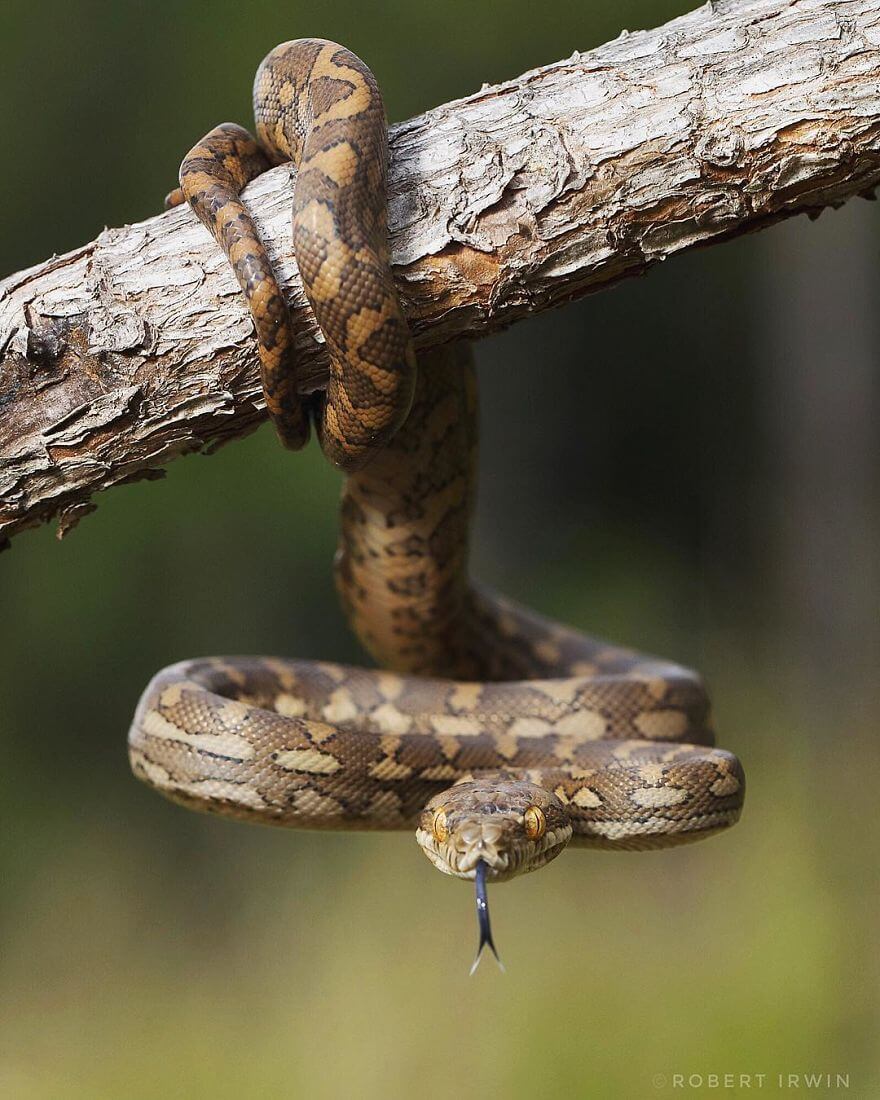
(137, 347)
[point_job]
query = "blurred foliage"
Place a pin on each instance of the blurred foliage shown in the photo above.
(631, 484)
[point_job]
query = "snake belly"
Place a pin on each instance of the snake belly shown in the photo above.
(472, 686)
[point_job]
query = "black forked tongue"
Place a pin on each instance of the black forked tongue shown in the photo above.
(483, 916)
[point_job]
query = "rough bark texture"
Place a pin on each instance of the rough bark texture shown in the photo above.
(137, 347)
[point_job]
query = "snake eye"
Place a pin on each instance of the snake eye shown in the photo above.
(534, 822)
(439, 826)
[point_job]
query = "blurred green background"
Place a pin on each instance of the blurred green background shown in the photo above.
(687, 464)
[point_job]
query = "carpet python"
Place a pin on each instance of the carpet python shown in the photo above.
(499, 735)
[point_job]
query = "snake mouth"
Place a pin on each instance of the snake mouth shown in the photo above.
(500, 865)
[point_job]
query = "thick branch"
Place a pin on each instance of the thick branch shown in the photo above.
(137, 348)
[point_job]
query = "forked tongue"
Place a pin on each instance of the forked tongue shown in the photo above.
(483, 917)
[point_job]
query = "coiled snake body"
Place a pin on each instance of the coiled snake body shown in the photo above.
(499, 735)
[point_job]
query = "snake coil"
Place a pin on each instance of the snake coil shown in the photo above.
(500, 735)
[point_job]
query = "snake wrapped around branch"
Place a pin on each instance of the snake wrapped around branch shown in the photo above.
(500, 736)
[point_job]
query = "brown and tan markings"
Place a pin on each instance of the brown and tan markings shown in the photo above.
(317, 105)
(498, 735)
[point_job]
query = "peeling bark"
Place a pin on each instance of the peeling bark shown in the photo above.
(137, 348)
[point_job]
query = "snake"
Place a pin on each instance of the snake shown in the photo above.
(500, 736)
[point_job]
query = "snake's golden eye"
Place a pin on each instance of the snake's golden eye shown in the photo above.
(439, 826)
(534, 822)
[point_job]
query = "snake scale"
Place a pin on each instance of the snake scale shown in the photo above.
(499, 735)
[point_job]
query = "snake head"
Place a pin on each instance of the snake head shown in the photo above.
(511, 825)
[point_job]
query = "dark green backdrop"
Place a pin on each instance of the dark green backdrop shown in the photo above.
(686, 464)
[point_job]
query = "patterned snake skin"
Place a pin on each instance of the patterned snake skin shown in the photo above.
(499, 735)
(318, 105)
